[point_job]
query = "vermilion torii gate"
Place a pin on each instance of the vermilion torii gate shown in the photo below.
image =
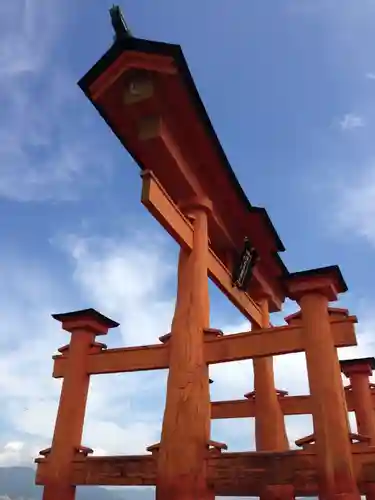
(147, 96)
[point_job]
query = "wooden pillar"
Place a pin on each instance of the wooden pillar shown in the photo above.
(182, 461)
(270, 432)
(358, 371)
(66, 444)
(313, 289)
(333, 313)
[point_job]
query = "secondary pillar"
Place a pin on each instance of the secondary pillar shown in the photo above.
(182, 461)
(66, 443)
(270, 432)
(358, 371)
(313, 290)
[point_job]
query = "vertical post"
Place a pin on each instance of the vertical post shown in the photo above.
(182, 461)
(270, 432)
(83, 326)
(333, 313)
(313, 290)
(358, 371)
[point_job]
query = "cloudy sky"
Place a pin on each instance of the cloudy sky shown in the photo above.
(290, 88)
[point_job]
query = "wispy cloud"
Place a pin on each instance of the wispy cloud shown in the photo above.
(29, 30)
(355, 204)
(351, 121)
(131, 283)
(48, 149)
(117, 276)
(118, 419)
(370, 75)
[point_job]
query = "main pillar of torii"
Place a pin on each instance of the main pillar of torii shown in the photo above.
(185, 440)
(313, 290)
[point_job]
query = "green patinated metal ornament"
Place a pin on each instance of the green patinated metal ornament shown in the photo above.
(119, 25)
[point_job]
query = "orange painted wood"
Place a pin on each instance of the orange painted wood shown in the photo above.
(111, 471)
(232, 474)
(118, 360)
(165, 211)
(160, 205)
(184, 147)
(157, 131)
(70, 418)
(268, 413)
(363, 405)
(126, 62)
(270, 341)
(185, 436)
(290, 405)
(360, 390)
(334, 465)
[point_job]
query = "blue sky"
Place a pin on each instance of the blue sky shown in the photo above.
(289, 86)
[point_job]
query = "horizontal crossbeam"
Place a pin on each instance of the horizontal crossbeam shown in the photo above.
(290, 405)
(234, 347)
(136, 470)
(231, 474)
(121, 360)
(272, 342)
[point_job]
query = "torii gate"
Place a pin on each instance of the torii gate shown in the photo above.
(147, 96)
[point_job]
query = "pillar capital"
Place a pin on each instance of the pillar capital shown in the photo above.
(355, 366)
(333, 312)
(327, 281)
(85, 319)
(196, 203)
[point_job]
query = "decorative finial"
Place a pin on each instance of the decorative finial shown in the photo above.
(119, 24)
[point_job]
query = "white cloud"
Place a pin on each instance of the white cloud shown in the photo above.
(355, 203)
(47, 150)
(130, 282)
(370, 75)
(14, 446)
(47, 147)
(120, 418)
(127, 279)
(14, 453)
(28, 30)
(351, 121)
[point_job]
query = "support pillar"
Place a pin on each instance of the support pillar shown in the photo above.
(66, 444)
(313, 289)
(183, 452)
(333, 313)
(358, 371)
(270, 432)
